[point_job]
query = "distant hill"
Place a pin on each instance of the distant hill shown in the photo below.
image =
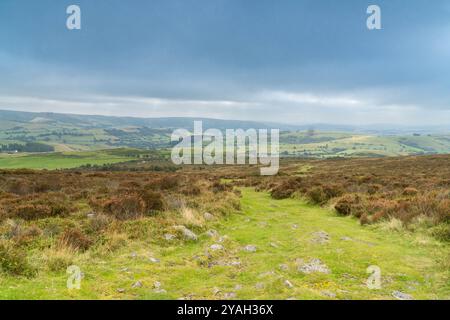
(70, 132)
(19, 118)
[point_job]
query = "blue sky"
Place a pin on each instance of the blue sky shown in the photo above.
(289, 61)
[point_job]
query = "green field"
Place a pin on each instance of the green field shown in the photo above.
(60, 160)
(284, 235)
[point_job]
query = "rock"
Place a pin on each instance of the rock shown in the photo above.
(169, 237)
(328, 294)
(212, 233)
(288, 284)
(229, 295)
(216, 247)
(154, 260)
(187, 234)
(320, 237)
(250, 248)
(226, 263)
(137, 284)
(401, 296)
(260, 286)
(222, 239)
(120, 290)
(294, 226)
(208, 216)
(284, 267)
(315, 265)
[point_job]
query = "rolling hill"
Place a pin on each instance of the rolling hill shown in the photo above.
(70, 132)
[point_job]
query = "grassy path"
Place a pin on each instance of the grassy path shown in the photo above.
(285, 234)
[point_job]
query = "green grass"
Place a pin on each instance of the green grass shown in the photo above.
(410, 263)
(59, 160)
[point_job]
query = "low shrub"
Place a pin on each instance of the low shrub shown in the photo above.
(280, 192)
(348, 204)
(13, 260)
(132, 205)
(317, 195)
(74, 238)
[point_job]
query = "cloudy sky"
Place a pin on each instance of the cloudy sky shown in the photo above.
(291, 61)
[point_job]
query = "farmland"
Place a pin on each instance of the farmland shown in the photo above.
(71, 133)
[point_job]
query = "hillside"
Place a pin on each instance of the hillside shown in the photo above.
(68, 132)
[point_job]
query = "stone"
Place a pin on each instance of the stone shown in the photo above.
(212, 233)
(154, 260)
(315, 265)
(229, 295)
(288, 284)
(401, 296)
(120, 290)
(169, 237)
(328, 294)
(284, 267)
(187, 234)
(320, 237)
(222, 239)
(294, 226)
(250, 248)
(137, 284)
(259, 286)
(216, 247)
(208, 216)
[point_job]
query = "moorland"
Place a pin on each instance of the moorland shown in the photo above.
(146, 229)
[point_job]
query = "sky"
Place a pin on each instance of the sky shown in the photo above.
(289, 61)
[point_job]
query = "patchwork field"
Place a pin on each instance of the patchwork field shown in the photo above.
(69, 133)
